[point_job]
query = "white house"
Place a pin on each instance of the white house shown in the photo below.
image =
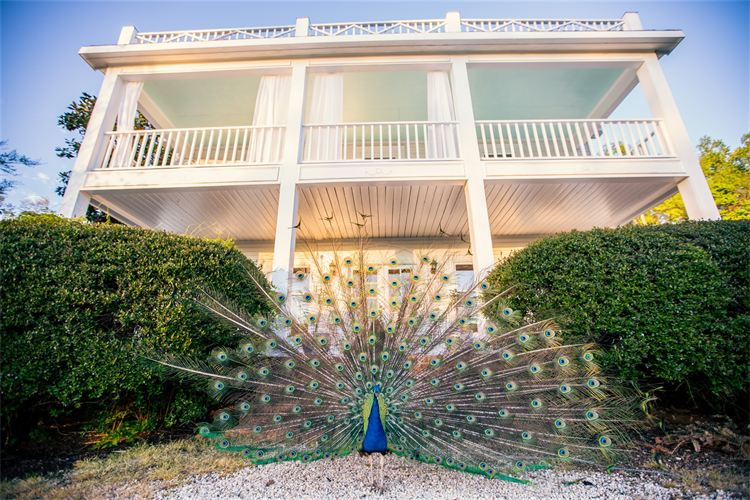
(473, 134)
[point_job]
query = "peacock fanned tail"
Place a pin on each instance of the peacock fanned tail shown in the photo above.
(504, 399)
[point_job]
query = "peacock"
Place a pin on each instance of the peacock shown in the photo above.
(409, 367)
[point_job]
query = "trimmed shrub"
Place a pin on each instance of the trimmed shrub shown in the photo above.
(80, 302)
(668, 304)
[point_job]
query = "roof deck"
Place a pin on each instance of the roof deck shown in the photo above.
(423, 36)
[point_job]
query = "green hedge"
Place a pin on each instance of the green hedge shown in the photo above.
(669, 304)
(80, 301)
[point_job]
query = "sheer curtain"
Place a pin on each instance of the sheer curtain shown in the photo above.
(125, 122)
(271, 108)
(326, 107)
(441, 142)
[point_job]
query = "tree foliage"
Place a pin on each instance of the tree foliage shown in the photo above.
(10, 160)
(75, 120)
(728, 176)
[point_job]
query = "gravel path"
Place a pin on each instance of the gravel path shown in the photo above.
(350, 478)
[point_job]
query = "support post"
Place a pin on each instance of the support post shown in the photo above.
(302, 26)
(452, 22)
(632, 21)
(286, 217)
(480, 231)
(75, 203)
(696, 194)
(127, 35)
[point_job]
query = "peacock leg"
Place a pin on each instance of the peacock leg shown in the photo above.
(372, 479)
(382, 466)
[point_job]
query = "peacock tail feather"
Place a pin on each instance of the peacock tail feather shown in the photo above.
(460, 391)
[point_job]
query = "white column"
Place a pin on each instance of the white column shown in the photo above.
(286, 218)
(476, 200)
(695, 192)
(75, 203)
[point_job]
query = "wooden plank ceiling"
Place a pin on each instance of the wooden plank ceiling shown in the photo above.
(516, 208)
(397, 211)
(237, 213)
(529, 207)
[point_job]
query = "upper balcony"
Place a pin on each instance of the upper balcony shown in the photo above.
(448, 35)
(384, 120)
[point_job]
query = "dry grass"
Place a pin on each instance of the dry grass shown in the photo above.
(137, 472)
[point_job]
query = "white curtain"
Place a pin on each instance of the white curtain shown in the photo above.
(271, 108)
(326, 107)
(125, 121)
(441, 138)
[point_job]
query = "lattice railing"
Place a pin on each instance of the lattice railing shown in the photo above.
(452, 23)
(539, 25)
(214, 35)
(379, 28)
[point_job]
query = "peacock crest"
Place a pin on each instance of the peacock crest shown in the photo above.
(345, 356)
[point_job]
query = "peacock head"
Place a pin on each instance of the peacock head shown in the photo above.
(376, 388)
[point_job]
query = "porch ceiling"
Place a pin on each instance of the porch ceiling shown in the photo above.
(236, 213)
(398, 211)
(542, 207)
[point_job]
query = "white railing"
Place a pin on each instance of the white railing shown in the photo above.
(374, 141)
(378, 28)
(214, 35)
(544, 139)
(452, 23)
(539, 25)
(193, 147)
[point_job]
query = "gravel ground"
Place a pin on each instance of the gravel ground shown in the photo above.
(350, 478)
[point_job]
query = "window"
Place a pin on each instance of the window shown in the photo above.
(464, 277)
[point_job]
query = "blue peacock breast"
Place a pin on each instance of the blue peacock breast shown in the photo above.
(375, 440)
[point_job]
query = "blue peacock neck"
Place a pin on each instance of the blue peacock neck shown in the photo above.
(375, 440)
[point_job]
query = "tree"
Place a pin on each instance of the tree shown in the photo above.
(10, 160)
(728, 176)
(75, 120)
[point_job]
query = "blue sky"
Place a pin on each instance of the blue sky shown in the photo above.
(42, 72)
